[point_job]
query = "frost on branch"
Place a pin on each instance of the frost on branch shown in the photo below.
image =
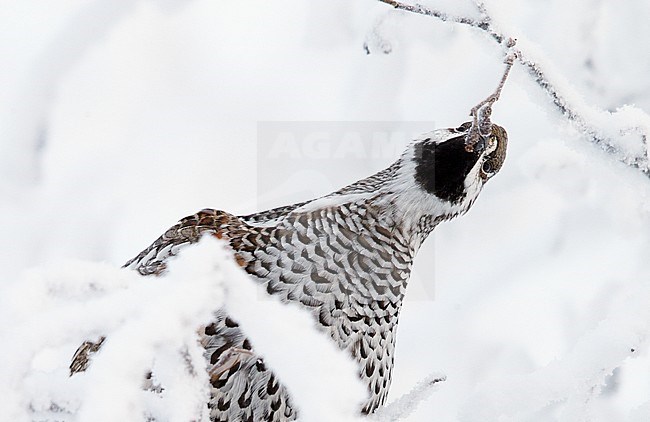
(623, 133)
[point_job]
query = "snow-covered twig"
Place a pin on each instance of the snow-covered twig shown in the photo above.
(403, 406)
(585, 118)
(151, 327)
(149, 324)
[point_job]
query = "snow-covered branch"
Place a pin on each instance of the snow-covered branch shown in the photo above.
(151, 324)
(623, 133)
(482, 24)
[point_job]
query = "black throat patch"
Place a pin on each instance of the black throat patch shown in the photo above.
(442, 168)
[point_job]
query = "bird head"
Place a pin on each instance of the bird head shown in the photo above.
(437, 176)
(444, 167)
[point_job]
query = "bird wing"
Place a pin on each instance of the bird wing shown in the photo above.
(187, 231)
(271, 216)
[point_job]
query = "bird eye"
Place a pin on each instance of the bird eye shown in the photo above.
(487, 167)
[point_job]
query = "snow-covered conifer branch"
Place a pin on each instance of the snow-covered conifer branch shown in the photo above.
(608, 130)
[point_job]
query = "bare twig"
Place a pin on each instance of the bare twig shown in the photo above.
(481, 112)
(593, 134)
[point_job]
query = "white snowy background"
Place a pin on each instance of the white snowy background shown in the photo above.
(118, 117)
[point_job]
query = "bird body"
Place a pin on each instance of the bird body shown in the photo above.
(346, 258)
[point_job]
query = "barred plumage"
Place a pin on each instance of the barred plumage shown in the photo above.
(345, 257)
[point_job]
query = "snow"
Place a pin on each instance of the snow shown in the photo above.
(152, 324)
(402, 407)
(120, 117)
(147, 322)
